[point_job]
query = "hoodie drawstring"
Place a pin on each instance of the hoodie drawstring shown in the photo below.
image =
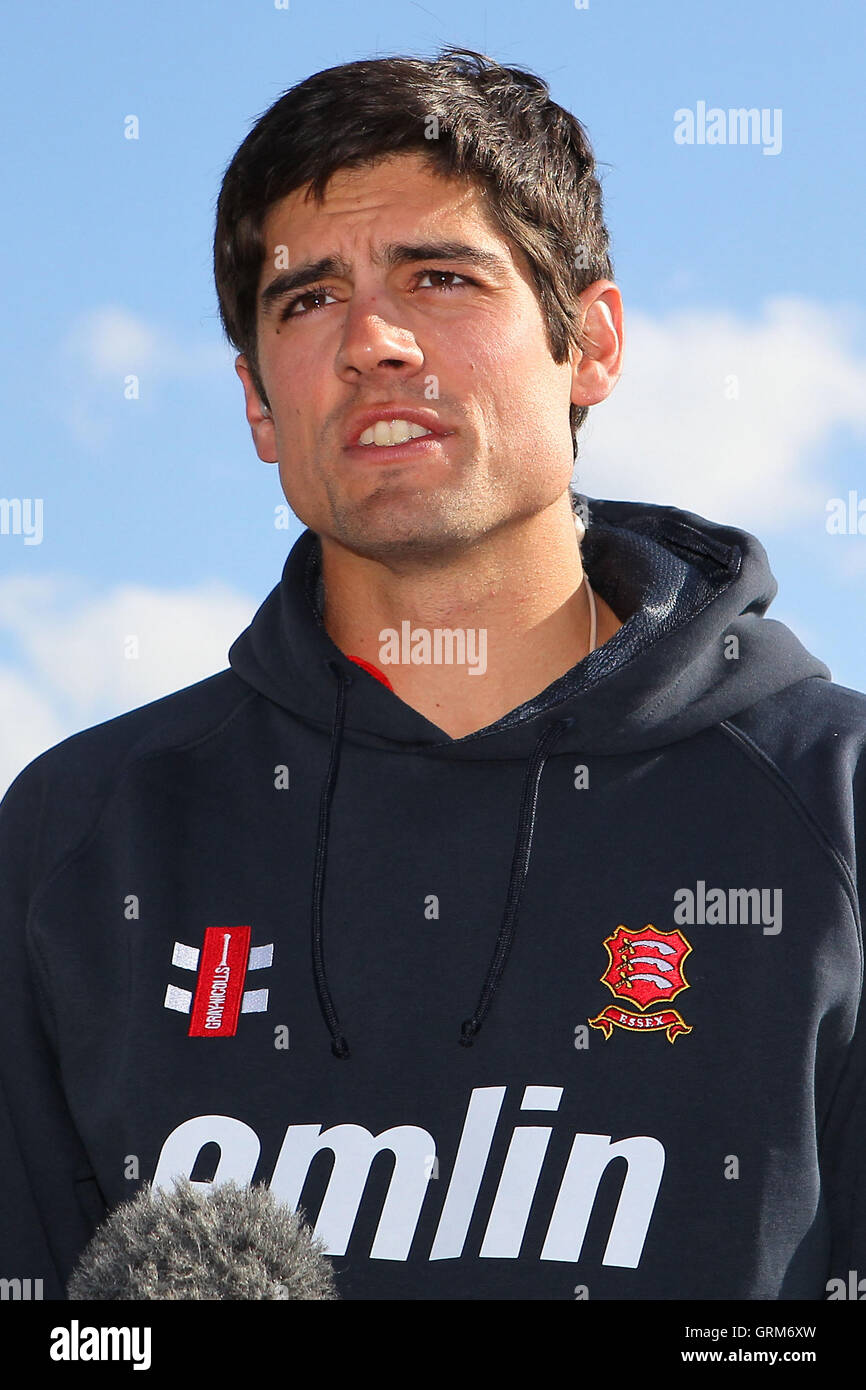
(339, 1046)
(517, 878)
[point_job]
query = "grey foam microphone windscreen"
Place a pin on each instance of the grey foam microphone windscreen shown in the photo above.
(228, 1242)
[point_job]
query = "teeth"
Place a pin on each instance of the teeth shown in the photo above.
(392, 432)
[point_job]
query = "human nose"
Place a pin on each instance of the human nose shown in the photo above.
(373, 339)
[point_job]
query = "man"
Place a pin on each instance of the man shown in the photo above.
(500, 904)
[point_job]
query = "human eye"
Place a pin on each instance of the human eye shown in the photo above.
(433, 270)
(315, 292)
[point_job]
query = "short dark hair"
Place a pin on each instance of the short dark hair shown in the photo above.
(471, 118)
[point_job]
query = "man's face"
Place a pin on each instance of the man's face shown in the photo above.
(435, 332)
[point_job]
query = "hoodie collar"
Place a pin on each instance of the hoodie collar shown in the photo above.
(682, 584)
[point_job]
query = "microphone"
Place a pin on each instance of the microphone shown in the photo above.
(223, 1242)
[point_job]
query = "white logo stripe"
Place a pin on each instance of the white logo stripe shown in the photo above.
(180, 999)
(185, 956)
(255, 1001)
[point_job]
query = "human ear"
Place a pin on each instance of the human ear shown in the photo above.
(258, 414)
(597, 363)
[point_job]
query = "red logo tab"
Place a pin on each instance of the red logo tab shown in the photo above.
(220, 987)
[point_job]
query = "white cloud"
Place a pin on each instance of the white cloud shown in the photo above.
(668, 433)
(112, 342)
(28, 725)
(106, 346)
(74, 669)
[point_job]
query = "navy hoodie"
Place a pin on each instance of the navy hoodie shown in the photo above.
(565, 1008)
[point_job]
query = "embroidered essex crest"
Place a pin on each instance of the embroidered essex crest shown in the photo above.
(644, 968)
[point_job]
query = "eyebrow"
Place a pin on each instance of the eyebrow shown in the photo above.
(394, 253)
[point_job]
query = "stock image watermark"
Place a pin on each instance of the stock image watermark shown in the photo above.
(737, 126)
(720, 907)
(852, 1288)
(77, 1343)
(846, 516)
(438, 646)
(731, 1343)
(20, 1290)
(22, 516)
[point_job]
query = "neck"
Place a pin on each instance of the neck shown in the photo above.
(512, 611)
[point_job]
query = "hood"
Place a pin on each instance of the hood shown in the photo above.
(681, 584)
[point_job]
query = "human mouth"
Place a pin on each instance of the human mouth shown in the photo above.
(422, 446)
(387, 422)
(387, 433)
(393, 437)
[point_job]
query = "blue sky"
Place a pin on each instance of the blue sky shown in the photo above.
(736, 266)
